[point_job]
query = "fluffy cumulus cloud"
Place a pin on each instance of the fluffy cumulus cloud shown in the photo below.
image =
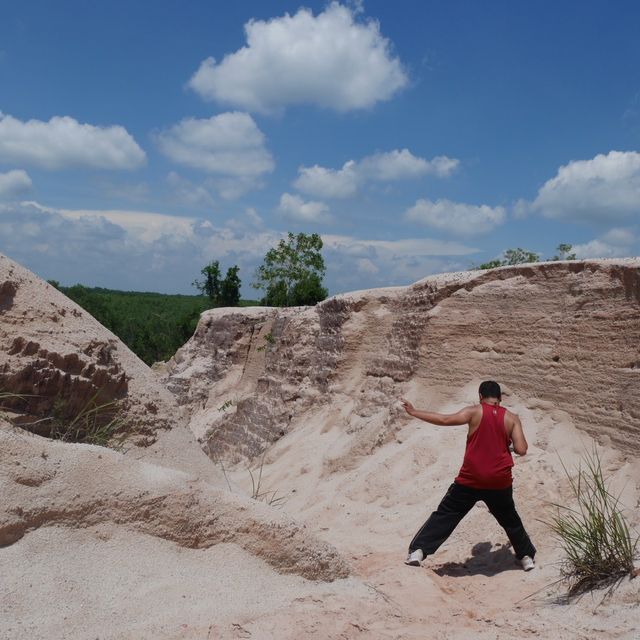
(380, 167)
(603, 189)
(295, 208)
(456, 217)
(328, 183)
(334, 60)
(229, 146)
(64, 142)
(14, 183)
(402, 164)
(616, 243)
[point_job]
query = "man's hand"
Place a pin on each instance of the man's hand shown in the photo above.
(408, 407)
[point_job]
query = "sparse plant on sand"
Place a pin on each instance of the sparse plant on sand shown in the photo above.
(257, 493)
(269, 338)
(225, 405)
(269, 497)
(595, 536)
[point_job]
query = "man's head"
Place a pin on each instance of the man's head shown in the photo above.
(490, 389)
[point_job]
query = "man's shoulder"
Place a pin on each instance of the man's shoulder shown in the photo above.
(511, 415)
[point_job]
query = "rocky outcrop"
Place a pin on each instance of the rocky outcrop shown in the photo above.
(55, 359)
(564, 335)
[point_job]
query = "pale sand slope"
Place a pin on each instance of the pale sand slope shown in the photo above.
(322, 398)
(472, 586)
(94, 544)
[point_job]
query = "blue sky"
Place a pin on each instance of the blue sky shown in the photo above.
(139, 140)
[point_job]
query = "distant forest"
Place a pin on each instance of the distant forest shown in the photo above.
(153, 325)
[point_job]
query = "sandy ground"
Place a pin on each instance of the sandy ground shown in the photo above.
(161, 543)
(109, 582)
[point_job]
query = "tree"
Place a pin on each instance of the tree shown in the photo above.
(230, 288)
(291, 273)
(564, 252)
(210, 286)
(225, 293)
(520, 256)
(511, 257)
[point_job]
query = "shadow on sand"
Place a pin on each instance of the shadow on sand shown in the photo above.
(484, 560)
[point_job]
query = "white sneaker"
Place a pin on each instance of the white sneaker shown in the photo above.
(414, 559)
(527, 563)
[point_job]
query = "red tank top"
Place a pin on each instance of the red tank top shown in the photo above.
(487, 459)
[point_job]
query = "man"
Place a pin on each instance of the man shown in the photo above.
(485, 475)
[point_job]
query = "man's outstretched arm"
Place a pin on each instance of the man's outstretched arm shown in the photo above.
(443, 419)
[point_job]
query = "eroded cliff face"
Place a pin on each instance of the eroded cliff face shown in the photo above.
(56, 358)
(564, 335)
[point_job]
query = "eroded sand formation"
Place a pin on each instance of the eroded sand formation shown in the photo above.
(308, 399)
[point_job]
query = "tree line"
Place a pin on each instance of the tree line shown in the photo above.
(290, 275)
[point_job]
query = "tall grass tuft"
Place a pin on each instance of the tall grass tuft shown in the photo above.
(599, 546)
(96, 423)
(257, 493)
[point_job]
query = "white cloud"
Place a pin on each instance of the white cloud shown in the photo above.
(254, 217)
(330, 60)
(359, 263)
(620, 236)
(409, 246)
(328, 183)
(402, 164)
(64, 142)
(14, 183)
(229, 146)
(456, 217)
(188, 193)
(295, 208)
(616, 243)
(603, 189)
(144, 226)
(383, 167)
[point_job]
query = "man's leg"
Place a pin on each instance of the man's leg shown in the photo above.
(502, 507)
(454, 506)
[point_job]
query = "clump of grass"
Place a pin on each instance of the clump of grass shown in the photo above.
(599, 546)
(96, 423)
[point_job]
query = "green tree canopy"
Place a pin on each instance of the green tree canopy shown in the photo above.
(564, 252)
(291, 273)
(210, 284)
(222, 293)
(511, 257)
(230, 288)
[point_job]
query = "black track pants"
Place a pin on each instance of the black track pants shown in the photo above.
(455, 505)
